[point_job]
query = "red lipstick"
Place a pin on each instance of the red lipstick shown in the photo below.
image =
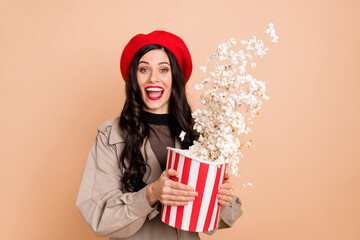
(154, 92)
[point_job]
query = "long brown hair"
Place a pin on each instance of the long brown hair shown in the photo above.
(134, 127)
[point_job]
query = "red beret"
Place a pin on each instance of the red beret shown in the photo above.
(172, 42)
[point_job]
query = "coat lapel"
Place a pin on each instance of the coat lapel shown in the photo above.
(153, 175)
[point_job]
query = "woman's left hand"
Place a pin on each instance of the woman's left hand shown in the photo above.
(225, 193)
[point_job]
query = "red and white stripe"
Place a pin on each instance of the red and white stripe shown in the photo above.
(202, 214)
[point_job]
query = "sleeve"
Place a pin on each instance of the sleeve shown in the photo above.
(228, 215)
(107, 210)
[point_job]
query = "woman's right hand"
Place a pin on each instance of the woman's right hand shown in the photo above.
(169, 192)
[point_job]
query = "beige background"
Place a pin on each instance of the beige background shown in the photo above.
(60, 79)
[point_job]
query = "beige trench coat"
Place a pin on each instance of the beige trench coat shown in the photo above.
(112, 212)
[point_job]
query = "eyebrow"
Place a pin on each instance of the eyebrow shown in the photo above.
(158, 63)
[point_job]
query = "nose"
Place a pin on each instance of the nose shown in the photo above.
(153, 76)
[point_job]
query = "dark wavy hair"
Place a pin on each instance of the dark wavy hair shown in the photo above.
(134, 127)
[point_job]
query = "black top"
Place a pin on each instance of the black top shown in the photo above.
(160, 135)
(157, 119)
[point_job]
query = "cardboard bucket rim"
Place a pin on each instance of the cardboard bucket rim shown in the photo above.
(182, 152)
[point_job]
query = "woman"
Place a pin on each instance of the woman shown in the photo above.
(125, 181)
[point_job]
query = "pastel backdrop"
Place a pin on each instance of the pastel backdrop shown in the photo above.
(60, 79)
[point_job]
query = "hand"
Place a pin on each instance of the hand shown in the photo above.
(169, 192)
(225, 193)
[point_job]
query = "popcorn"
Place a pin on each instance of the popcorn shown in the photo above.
(232, 41)
(203, 68)
(271, 31)
(232, 101)
(247, 184)
(182, 135)
(199, 86)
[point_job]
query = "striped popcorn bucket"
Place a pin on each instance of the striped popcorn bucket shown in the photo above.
(202, 214)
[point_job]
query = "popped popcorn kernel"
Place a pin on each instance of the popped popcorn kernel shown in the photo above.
(182, 135)
(203, 68)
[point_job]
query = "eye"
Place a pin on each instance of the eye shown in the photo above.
(143, 70)
(164, 70)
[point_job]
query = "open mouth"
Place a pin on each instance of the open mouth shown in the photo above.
(154, 93)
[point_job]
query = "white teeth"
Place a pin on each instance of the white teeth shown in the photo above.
(154, 89)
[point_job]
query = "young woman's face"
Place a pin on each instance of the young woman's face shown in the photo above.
(154, 80)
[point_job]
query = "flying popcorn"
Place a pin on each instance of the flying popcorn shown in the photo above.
(203, 68)
(271, 31)
(182, 135)
(233, 98)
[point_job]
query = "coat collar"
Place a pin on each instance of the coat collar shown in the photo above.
(115, 132)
